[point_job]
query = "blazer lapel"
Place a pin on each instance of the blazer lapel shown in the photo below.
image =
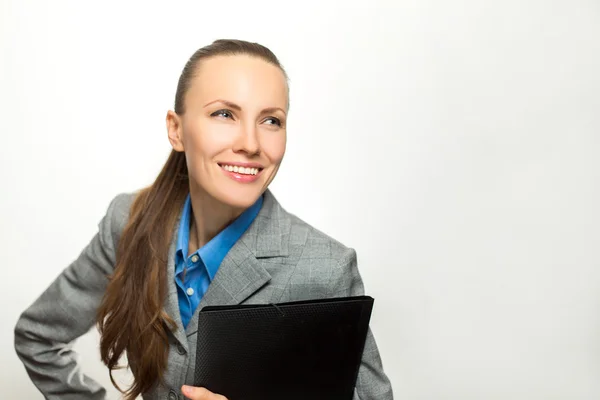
(241, 274)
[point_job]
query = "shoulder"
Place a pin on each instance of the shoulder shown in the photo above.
(119, 208)
(297, 235)
(320, 261)
(120, 205)
(314, 242)
(116, 217)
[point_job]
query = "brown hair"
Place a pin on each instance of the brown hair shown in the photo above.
(131, 317)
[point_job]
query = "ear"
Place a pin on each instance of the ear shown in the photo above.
(174, 130)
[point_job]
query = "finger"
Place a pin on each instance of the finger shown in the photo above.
(199, 393)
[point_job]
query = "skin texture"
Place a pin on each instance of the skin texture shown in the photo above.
(235, 112)
(194, 393)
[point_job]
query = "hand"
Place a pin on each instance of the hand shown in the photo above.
(197, 393)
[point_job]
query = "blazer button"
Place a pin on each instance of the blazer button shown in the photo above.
(180, 349)
(172, 395)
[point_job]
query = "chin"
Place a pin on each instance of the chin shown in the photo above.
(240, 199)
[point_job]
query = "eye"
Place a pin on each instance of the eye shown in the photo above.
(222, 114)
(273, 121)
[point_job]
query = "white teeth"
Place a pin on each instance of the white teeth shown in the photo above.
(240, 170)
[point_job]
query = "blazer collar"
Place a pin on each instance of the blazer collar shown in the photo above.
(241, 273)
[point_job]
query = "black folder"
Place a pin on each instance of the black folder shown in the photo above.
(308, 349)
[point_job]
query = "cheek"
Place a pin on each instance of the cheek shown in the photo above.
(205, 142)
(274, 147)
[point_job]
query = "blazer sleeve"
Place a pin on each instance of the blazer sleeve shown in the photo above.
(372, 382)
(65, 311)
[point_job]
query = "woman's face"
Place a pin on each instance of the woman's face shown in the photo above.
(233, 131)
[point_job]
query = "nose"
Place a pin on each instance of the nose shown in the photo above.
(247, 141)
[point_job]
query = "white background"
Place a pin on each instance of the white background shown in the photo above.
(453, 144)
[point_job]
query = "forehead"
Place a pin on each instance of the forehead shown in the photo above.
(245, 80)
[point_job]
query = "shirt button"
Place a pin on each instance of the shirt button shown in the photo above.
(194, 258)
(172, 395)
(190, 291)
(180, 349)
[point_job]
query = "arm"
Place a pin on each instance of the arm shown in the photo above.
(66, 310)
(372, 383)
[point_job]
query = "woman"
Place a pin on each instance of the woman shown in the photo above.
(207, 231)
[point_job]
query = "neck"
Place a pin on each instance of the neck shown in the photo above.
(209, 218)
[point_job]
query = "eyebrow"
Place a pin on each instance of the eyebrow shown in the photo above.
(238, 108)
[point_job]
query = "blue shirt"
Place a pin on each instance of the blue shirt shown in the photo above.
(202, 265)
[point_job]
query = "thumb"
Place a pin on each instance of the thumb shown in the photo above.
(199, 393)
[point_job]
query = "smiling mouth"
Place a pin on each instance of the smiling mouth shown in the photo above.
(241, 170)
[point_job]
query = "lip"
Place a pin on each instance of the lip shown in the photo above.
(242, 178)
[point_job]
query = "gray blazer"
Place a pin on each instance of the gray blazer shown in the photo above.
(280, 258)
